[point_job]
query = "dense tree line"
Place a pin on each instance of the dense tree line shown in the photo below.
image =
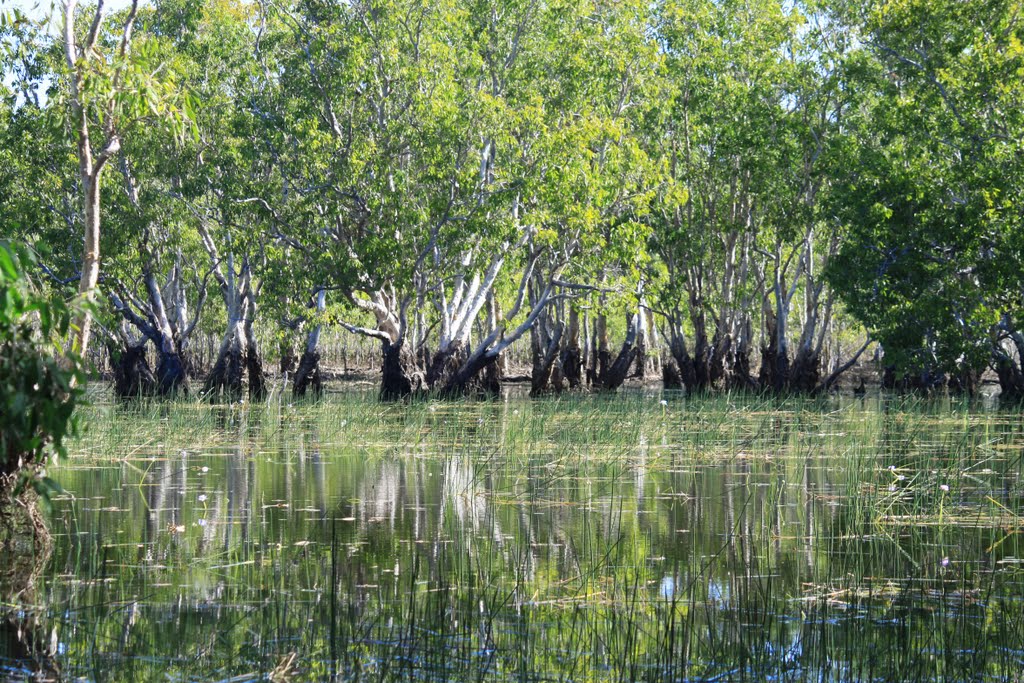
(738, 194)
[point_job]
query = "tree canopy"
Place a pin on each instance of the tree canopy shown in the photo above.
(759, 189)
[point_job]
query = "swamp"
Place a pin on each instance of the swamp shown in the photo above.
(511, 340)
(637, 536)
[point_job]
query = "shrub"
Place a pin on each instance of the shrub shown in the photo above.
(39, 382)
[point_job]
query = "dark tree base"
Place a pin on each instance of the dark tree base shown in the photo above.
(398, 378)
(740, 378)
(1011, 380)
(670, 377)
(572, 367)
(288, 363)
(805, 374)
(616, 374)
(227, 376)
(308, 380)
(172, 375)
(132, 375)
(257, 378)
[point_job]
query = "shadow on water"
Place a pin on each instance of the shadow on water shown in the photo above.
(606, 538)
(26, 650)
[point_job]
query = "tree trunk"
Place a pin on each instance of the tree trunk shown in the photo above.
(774, 373)
(171, 374)
(133, 376)
(619, 370)
(716, 362)
(490, 378)
(444, 366)
(493, 373)
(253, 359)
(670, 377)
(398, 380)
(654, 342)
(288, 359)
(965, 381)
(1009, 362)
(678, 363)
(888, 377)
(545, 337)
(588, 349)
(307, 376)
(544, 351)
(228, 373)
(805, 373)
(604, 356)
(1011, 378)
(464, 377)
(641, 345)
(456, 371)
(572, 358)
(739, 377)
(82, 328)
(254, 368)
(702, 350)
(679, 372)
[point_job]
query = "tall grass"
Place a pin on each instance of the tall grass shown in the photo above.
(597, 538)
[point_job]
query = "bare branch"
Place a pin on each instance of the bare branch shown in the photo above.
(831, 379)
(366, 331)
(70, 45)
(585, 288)
(94, 30)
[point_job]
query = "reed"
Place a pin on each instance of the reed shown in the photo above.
(566, 538)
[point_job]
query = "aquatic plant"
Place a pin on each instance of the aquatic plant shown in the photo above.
(564, 538)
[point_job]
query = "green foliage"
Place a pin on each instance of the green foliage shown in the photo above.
(725, 153)
(931, 262)
(39, 383)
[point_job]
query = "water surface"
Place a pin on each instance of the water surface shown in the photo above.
(590, 538)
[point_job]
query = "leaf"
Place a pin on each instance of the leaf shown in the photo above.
(7, 264)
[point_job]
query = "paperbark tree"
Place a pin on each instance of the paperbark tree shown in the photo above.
(81, 56)
(239, 364)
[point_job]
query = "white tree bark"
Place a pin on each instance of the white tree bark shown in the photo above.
(90, 161)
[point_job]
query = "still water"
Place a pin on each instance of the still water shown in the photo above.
(595, 538)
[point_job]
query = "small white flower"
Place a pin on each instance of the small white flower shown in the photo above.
(944, 488)
(945, 562)
(900, 478)
(892, 468)
(202, 498)
(664, 402)
(204, 470)
(201, 522)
